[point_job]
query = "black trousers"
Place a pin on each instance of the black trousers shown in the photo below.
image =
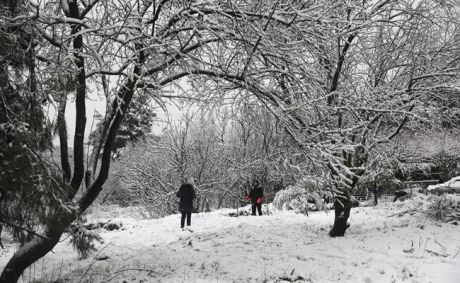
(187, 215)
(258, 206)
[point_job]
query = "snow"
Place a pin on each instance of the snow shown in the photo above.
(453, 183)
(392, 242)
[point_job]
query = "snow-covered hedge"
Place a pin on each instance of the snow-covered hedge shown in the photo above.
(302, 197)
(292, 198)
(445, 207)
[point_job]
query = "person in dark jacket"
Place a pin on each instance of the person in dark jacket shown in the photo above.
(256, 194)
(186, 194)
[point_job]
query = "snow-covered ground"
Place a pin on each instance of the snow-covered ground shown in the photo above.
(392, 242)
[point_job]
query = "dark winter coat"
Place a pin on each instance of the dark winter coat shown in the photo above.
(186, 194)
(256, 192)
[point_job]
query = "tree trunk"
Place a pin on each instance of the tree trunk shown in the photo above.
(375, 194)
(37, 247)
(221, 199)
(31, 252)
(342, 207)
(28, 254)
(1, 228)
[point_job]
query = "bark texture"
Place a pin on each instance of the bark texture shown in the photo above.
(342, 207)
(36, 248)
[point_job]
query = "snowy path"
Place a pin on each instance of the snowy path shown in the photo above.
(380, 246)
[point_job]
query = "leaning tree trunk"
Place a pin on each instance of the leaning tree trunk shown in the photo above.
(35, 249)
(30, 252)
(342, 207)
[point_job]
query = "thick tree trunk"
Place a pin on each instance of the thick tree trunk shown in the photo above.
(342, 207)
(36, 248)
(25, 256)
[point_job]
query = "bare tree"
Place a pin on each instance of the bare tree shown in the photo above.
(220, 151)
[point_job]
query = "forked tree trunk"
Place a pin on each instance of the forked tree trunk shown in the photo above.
(56, 224)
(342, 207)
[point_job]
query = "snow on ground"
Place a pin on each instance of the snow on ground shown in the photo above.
(392, 242)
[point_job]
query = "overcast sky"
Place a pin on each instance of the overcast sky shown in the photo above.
(95, 104)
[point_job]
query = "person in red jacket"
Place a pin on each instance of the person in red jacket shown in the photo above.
(256, 194)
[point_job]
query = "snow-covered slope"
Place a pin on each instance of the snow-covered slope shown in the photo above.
(382, 245)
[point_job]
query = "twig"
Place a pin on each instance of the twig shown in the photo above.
(399, 213)
(292, 279)
(43, 266)
(111, 278)
(456, 254)
(25, 229)
(453, 217)
(424, 249)
(92, 262)
(439, 244)
(134, 269)
(60, 270)
(52, 274)
(437, 254)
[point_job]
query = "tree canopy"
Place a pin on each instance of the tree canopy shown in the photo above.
(341, 78)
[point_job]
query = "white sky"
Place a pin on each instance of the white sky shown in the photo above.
(98, 104)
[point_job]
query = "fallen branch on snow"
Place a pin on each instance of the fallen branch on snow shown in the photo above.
(292, 278)
(401, 213)
(437, 254)
(456, 254)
